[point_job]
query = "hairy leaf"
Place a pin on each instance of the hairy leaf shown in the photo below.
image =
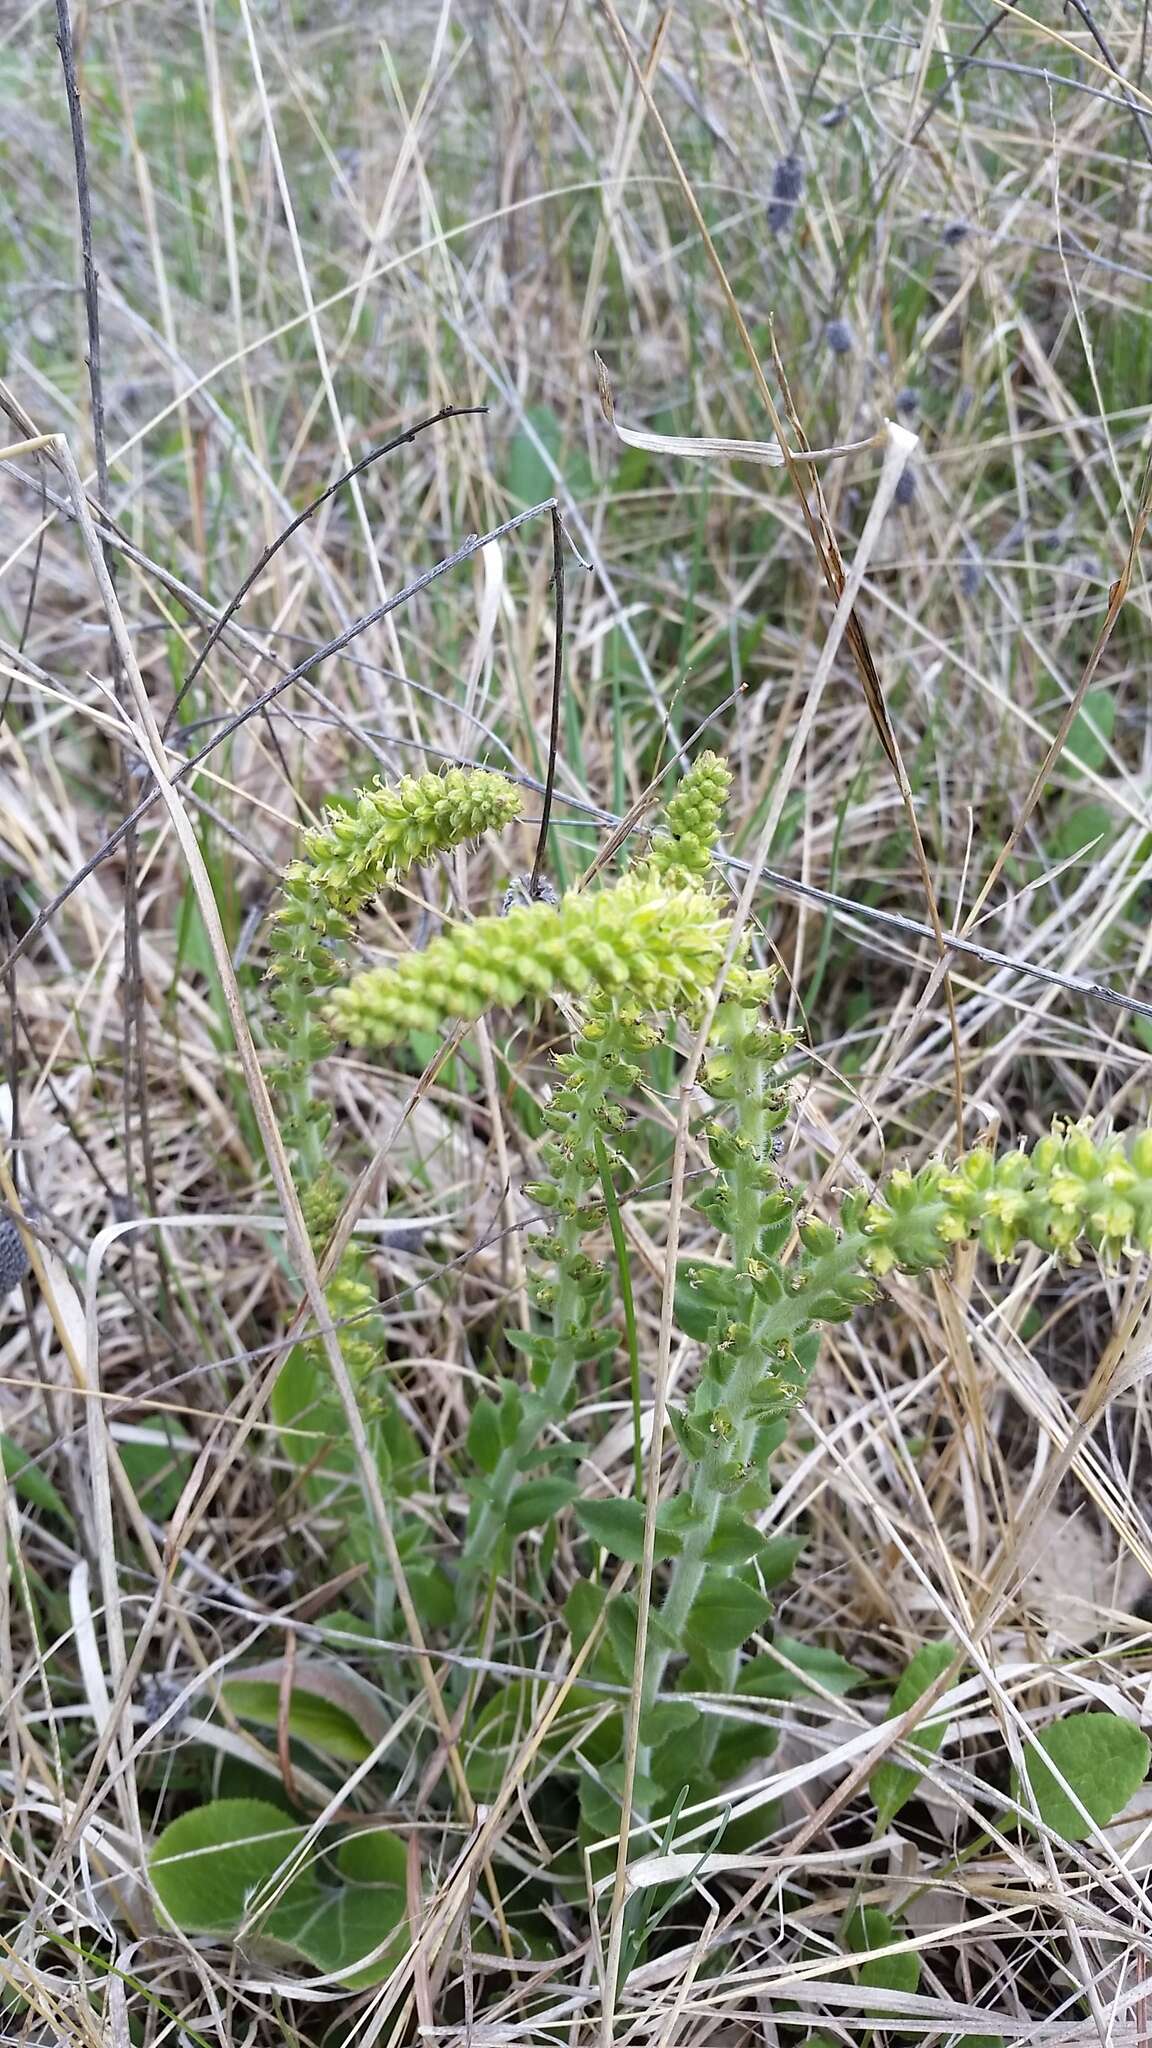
(618, 1526)
(535, 1503)
(725, 1612)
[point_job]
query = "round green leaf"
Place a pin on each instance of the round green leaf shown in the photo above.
(208, 1863)
(1102, 1758)
(337, 1929)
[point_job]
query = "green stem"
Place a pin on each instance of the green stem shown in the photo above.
(750, 1062)
(545, 1407)
(775, 1325)
(628, 1303)
(599, 1067)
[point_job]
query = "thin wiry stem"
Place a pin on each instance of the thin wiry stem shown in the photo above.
(374, 455)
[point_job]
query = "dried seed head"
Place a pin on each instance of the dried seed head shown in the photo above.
(159, 1691)
(520, 890)
(840, 338)
(407, 1234)
(905, 490)
(955, 232)
(13, 1257)
(907, 402)
(972, 572)
(787, 189)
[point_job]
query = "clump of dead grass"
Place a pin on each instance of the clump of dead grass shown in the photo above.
(307, 235)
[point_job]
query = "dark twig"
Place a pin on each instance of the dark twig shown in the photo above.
(135, 1045)
(91, 280)
(32, 587)
(464, 553)
(446, 412)
(37, 561)
(557, 686)
(1138, 114)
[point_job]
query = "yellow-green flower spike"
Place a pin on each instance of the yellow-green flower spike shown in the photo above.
(682, 848)
(660, 946)
(349, 858)
(1070, 1189)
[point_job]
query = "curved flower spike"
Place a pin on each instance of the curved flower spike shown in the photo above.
(348, 859)
(660, 946)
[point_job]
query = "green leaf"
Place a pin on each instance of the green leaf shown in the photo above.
(748, 1743)
(725, 1612)
(680, 1761)
(892, 1785)
(1102, 1758)
(373, 1857)
(1091, 731)
(582, 1610)
(776, 1558)
(208, 1863)
(766, 1678)
(511, 1414)
(432, 1594)
(631, 471)
(495, 1734)
(157, 1471)
(667, 1718)
(767, 1441)
(536, 1503)
(532, 1345)
(337, 1928)
(680, 1515)
(1079, 829)
(692, 1439)
(618, 1526)
(869, 1928)
(307, 1414)
(529, 476)
(621, 1618)
(331, 1708)
(599, 1808)
(484, 1435)
(733, 1540)
(702, 1292)
(30, 1483)
(620, 1622)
